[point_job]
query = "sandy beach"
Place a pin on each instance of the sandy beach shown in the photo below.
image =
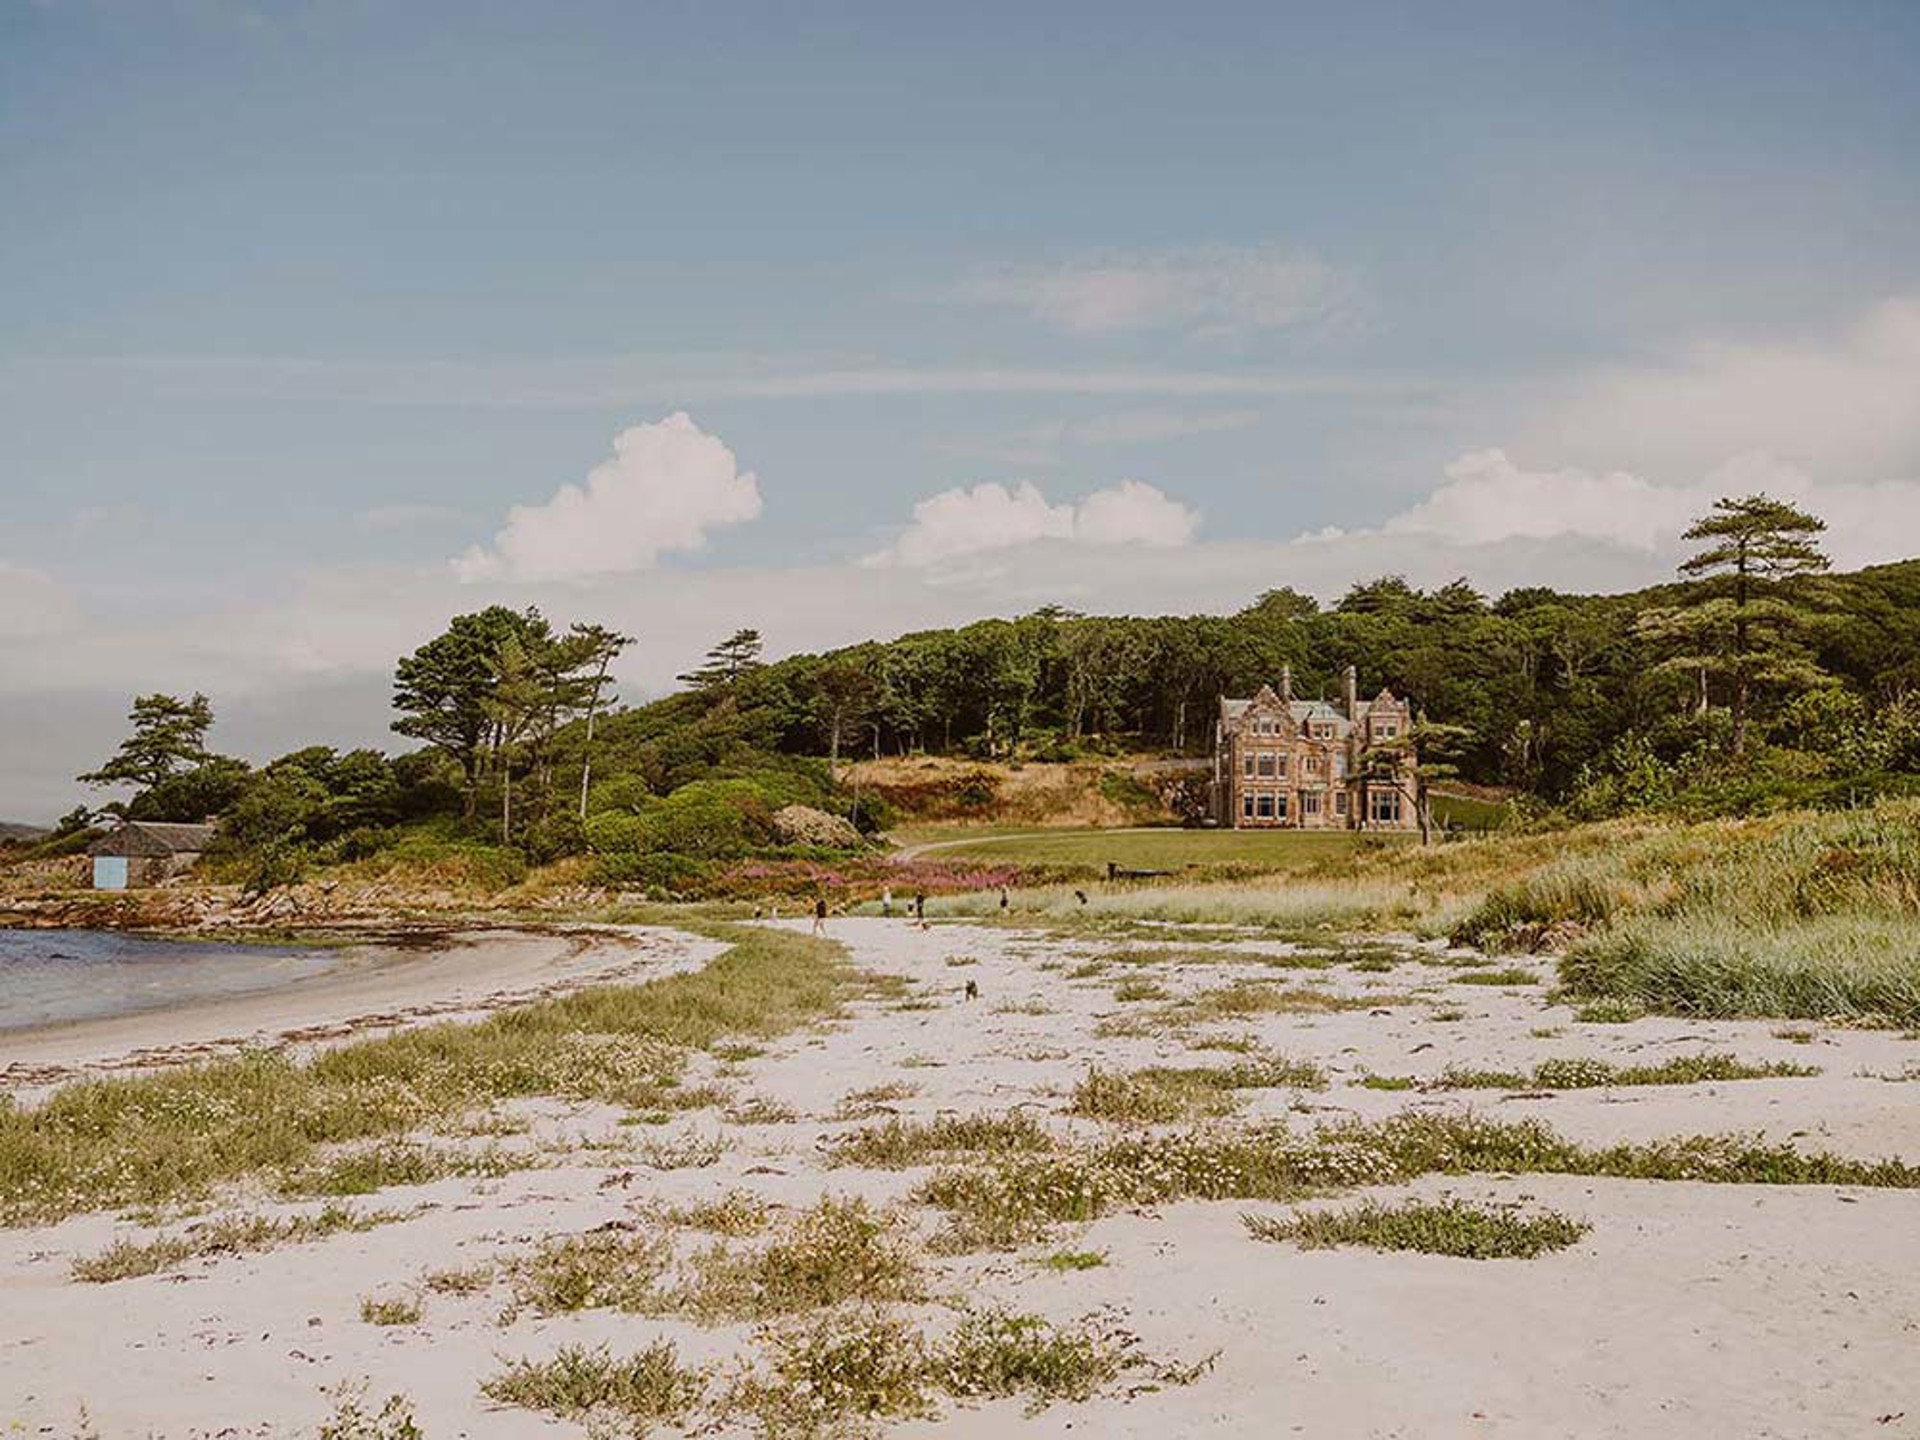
(374, 988)
(1704, 1310)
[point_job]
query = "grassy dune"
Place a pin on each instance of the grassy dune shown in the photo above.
(1801, 914)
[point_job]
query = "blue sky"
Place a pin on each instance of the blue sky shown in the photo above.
(305, 298)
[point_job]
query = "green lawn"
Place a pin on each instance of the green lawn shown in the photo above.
(1160, 849)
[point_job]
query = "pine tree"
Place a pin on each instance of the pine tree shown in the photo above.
(1738, 624)
(734, 657)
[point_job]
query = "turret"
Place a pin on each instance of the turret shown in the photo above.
(1350, 691)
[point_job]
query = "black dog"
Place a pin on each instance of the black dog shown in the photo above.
(973, 990)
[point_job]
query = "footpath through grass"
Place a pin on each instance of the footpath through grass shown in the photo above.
(177, 1134)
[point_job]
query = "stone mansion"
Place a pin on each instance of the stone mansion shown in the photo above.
(1313, 765)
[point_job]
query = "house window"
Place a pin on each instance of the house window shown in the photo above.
(1246, 806)
(1383, 807)
(1316, 765)
(1340, 802)
(1280, 807)
(1267, 765)
(1246, 763)
(1323, 732)
(1309, 802)
(1386, 730)
(1339, 765)
(1265, 809)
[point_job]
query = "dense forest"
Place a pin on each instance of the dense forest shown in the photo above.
(1757, 679)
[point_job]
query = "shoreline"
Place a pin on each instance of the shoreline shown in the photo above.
(377, 989)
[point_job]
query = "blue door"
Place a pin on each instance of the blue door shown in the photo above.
(109, 872)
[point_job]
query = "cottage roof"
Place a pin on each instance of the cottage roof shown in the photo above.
(153, 838)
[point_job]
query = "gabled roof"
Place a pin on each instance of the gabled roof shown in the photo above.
(153, 837)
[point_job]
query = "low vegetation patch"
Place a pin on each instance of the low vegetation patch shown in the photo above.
(840, 1249)
(1593, 1074)
(390, 1310)
(238, 1235)
(1451, 1227)
(874, 1100)
(1507, 975)
(381, 1167)
(737, 1213)
(1020, 1198)
(616, 1268)
(1159, 1094)
(636, 1391)
(901, 1144)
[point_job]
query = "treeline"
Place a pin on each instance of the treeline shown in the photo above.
(1757, 679)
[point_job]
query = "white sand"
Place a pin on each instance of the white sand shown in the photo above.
(1690, 1310)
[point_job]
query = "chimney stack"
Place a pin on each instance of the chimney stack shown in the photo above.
(1352, 691)
(1286, 684)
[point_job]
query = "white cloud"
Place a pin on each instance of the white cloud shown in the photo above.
(667, 485)
(1208, 288)
(1487, 499)
(1844, 405)
(992, 517)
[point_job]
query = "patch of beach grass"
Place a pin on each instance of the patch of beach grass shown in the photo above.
(381, 1167)
(638, 1391)
(837, 1250)
(1574, 1074)
(350, 1418)
(874, 1100)
(615, 1268)
(1019, 1199)
(1506, 975)
(459, 1280)
(232, 1235)
(1451, 1227)
(1159, 1094)
(1067, 1262)
(737, 1213)
(902, 1144)
(390, 1309)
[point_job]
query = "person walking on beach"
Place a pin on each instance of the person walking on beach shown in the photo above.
(1004, 901)
(820, 916)
(886, 902)
(920, 908)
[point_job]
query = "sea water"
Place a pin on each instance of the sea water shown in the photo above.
(51, 976)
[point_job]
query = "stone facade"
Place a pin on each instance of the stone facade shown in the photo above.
(1282, 763)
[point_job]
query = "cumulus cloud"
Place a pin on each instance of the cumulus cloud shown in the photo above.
(1207, 288)
(991, 516)
(1844, 404)
(1488, 499)
(666, 486)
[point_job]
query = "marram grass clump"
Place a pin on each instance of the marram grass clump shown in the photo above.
(1448, 1227)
